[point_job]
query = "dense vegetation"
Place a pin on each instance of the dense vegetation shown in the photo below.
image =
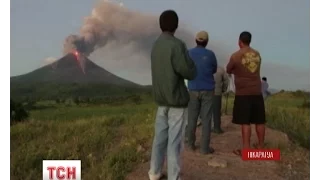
(18, 112)
(53, 91)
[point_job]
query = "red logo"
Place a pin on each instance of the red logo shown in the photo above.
(61, 170)
(261, 154)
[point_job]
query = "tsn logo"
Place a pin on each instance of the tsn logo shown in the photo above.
(61, 170)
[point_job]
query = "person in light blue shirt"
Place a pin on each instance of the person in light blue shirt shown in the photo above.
(265, 88)
(201, 90)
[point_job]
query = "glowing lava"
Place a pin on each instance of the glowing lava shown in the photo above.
(77, 55)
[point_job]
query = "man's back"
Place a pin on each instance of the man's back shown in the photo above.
(248, 105)
(201, 93)
(170, 65)
(245, 65)
(206, 63)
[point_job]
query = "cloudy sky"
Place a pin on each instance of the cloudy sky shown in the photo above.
(280, 32)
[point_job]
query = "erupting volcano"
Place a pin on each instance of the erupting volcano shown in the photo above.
(73, 68)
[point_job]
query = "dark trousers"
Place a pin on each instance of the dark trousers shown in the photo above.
(217, 111)
(201, 103)
(249, 110)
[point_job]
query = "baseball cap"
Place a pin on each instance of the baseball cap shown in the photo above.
(202, 36)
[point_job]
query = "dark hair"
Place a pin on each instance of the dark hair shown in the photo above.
(245, 37)
(169, 21)
(202, 43)
(264, 78)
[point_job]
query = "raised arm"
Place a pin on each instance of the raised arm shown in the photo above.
(230, 66)
(182, 63)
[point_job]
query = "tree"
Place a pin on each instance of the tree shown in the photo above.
(17, 112)
(63, 100)
(76, 100)
(137, 99)
(86, 100)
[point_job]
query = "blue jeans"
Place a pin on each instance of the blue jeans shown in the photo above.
(168, 140)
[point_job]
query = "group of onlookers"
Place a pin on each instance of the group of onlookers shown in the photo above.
(180, 106)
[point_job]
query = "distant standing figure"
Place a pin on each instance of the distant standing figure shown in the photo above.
(170, 66)
(265, 88)
(201, 91)
(221, 86)
(248, 106)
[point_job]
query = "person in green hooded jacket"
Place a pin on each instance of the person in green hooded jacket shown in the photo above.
(170, 66)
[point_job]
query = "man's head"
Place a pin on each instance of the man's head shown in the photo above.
(264, 79)
(169, 21)
(202, 38)
(244, 39)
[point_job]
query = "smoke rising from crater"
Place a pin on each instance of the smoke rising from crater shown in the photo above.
(120, 40)
(114, 26)
(109, 22)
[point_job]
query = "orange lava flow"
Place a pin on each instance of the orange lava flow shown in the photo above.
(76, 54)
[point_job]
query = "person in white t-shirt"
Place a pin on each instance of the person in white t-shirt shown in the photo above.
(265, 88)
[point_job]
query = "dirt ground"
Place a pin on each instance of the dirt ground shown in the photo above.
(294, 162)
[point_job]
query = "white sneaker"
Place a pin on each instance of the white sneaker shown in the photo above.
(154, 177)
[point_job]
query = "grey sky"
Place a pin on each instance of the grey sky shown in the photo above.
(280, 32)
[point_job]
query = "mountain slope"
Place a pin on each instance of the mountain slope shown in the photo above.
(68, 70)
(67, 78)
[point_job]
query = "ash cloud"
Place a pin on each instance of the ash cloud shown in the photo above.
(120, 40)
(109, 22)
(113, 26)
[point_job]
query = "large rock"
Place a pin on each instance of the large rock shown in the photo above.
(217, 162)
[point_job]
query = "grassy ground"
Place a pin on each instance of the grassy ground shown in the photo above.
(111, 140)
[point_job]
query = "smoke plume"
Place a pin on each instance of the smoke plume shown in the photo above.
(111, 23)
(120, 40)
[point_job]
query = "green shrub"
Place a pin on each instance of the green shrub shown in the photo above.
(18, 113)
